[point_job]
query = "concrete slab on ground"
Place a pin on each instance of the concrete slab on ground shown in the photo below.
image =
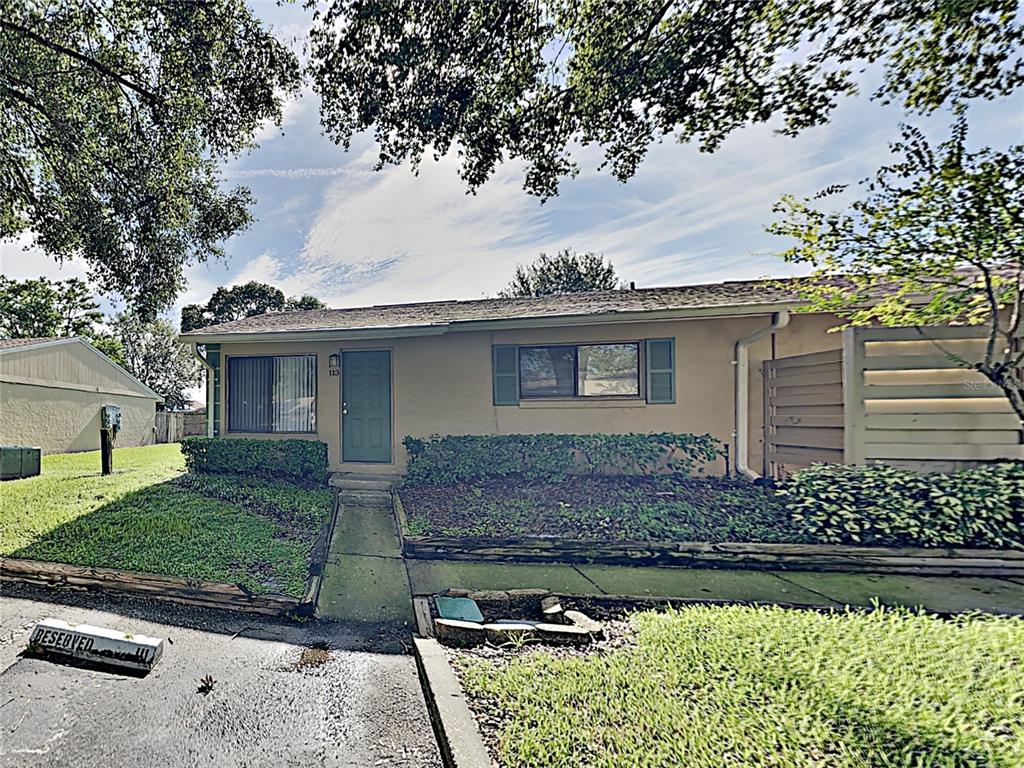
(431, 576)
(365, 589)
(935, 593)
(354, 705)
(699, 584)
(365, 531)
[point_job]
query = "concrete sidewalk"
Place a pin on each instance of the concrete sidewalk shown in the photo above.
(367, 580)
(832, 590)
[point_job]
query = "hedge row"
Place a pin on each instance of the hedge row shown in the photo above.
(886, 506)
(273, 459)
(550, 458)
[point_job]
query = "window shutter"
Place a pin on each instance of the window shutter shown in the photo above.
(505, 373)
(660, 358)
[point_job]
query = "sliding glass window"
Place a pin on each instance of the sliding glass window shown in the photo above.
(580, 370)
(272, 394)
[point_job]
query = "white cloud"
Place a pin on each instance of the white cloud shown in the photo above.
(293, 109)
(20, 260)
(685, 217)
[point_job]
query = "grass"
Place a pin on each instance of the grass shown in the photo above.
(742, 686)
(595, 508)
(149, 516)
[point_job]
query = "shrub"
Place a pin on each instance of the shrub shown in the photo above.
(274, 459)
(550, 458)
(883, 505)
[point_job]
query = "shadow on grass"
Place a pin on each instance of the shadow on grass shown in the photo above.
(902, 744)
(167, 529)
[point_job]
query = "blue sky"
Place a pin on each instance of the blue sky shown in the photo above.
(328, 224)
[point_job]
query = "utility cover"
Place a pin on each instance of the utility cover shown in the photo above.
(97, 644)
(459, 608)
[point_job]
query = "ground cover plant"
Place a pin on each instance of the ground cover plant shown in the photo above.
(149, 516)
(602, 508)
(710, 686)
(886, 506)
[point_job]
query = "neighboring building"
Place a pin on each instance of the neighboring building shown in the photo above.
(52, 391)
(681, 359)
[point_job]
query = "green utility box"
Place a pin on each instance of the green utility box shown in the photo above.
(17, 461)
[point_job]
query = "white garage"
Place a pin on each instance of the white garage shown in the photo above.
(52, 391)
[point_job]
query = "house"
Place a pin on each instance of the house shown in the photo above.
(700, 359)
(52, 391)
(643, 360)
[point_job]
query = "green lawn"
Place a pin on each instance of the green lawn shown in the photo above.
(742, 686)
(150, 516)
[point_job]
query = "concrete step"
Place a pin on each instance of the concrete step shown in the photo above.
(365, 498)
(350, 481)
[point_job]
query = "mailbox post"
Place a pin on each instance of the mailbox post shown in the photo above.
(110, 425)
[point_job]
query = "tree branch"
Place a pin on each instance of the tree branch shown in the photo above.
(103, 69)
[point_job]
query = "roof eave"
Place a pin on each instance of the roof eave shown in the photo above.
(437, 329)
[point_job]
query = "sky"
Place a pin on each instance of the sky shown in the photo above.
(329, 225)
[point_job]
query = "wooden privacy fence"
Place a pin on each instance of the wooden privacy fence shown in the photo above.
(892, 395)
(171, 427)
(803, 421)
(909, 402)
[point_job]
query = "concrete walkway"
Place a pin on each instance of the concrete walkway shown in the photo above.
(365, 578)
(939, 594)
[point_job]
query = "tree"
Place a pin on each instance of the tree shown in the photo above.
(253, 298)
(40, 307)
(154, 355)
(111, 346)
(529, 80)
(938, 238)
(303, 302)
(115, 119)
(566, 272)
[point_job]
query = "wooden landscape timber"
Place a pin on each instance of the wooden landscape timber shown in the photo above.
(317, 561)
(208, 594)
(797, 557)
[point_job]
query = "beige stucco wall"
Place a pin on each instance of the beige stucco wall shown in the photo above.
(67, 420)
(51, 396)
(442, 383)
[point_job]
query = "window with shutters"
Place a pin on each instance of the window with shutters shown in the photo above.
(272, 394)
(589, 370)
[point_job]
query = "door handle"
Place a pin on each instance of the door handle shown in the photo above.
(344, 408)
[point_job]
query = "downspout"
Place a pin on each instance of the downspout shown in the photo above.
(209, 387)
(741, 433)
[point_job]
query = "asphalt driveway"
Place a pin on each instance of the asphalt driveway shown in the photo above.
(353, 700)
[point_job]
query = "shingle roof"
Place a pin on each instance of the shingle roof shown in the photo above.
(12, 343)
(710, 296)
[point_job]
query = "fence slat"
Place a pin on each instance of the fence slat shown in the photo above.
(943, 421)
(928, 391)
(958, 451)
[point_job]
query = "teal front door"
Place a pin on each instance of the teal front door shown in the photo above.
(366, 406)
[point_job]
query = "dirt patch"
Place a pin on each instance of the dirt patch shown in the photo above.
(315, 656)
(603, 508)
